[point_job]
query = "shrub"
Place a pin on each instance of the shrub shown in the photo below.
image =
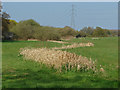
(99, 32)
(87, 30)
(81, 34)
(46, 33)
(25, 29)
(67, 31)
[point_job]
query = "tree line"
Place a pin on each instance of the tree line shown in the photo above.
(97, 32)
(30, 29)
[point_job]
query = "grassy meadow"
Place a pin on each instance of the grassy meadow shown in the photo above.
(20, 73)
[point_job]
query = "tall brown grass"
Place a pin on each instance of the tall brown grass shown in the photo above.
(75, 45)
(58, 59)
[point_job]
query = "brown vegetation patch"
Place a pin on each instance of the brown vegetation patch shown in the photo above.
(75, 45)
(33, 40)
(67, 38)
(57, 41)
(95, 38)
(58, 59)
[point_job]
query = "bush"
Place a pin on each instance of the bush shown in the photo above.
(99, 32)
(81, 34)
(6, 34)
(12, 23)
(88, 31)
(67, 31)
(46, 33)
(25, 29)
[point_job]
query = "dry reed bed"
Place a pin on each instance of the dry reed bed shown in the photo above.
(56, 41)
(75, 45)
(58, 59)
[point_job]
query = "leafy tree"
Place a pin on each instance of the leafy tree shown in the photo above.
(99, 32)
(88, 30)
(114, 32)
(5, 15)
(107, 32)
(81, 34)
(5, 28)
(30, 29)
(46, 33)
(40, 34)
(12, 23)
(67, 31)
(25, 29)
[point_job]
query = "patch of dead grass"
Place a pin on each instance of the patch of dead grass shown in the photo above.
(58, 59)
(57, 41)
(75, 45)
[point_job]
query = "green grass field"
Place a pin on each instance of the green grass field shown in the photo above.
(20, 73)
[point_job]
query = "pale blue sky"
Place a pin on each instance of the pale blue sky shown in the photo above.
(103, 14)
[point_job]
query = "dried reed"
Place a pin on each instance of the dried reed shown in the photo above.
(75, 45)
(58, 59)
